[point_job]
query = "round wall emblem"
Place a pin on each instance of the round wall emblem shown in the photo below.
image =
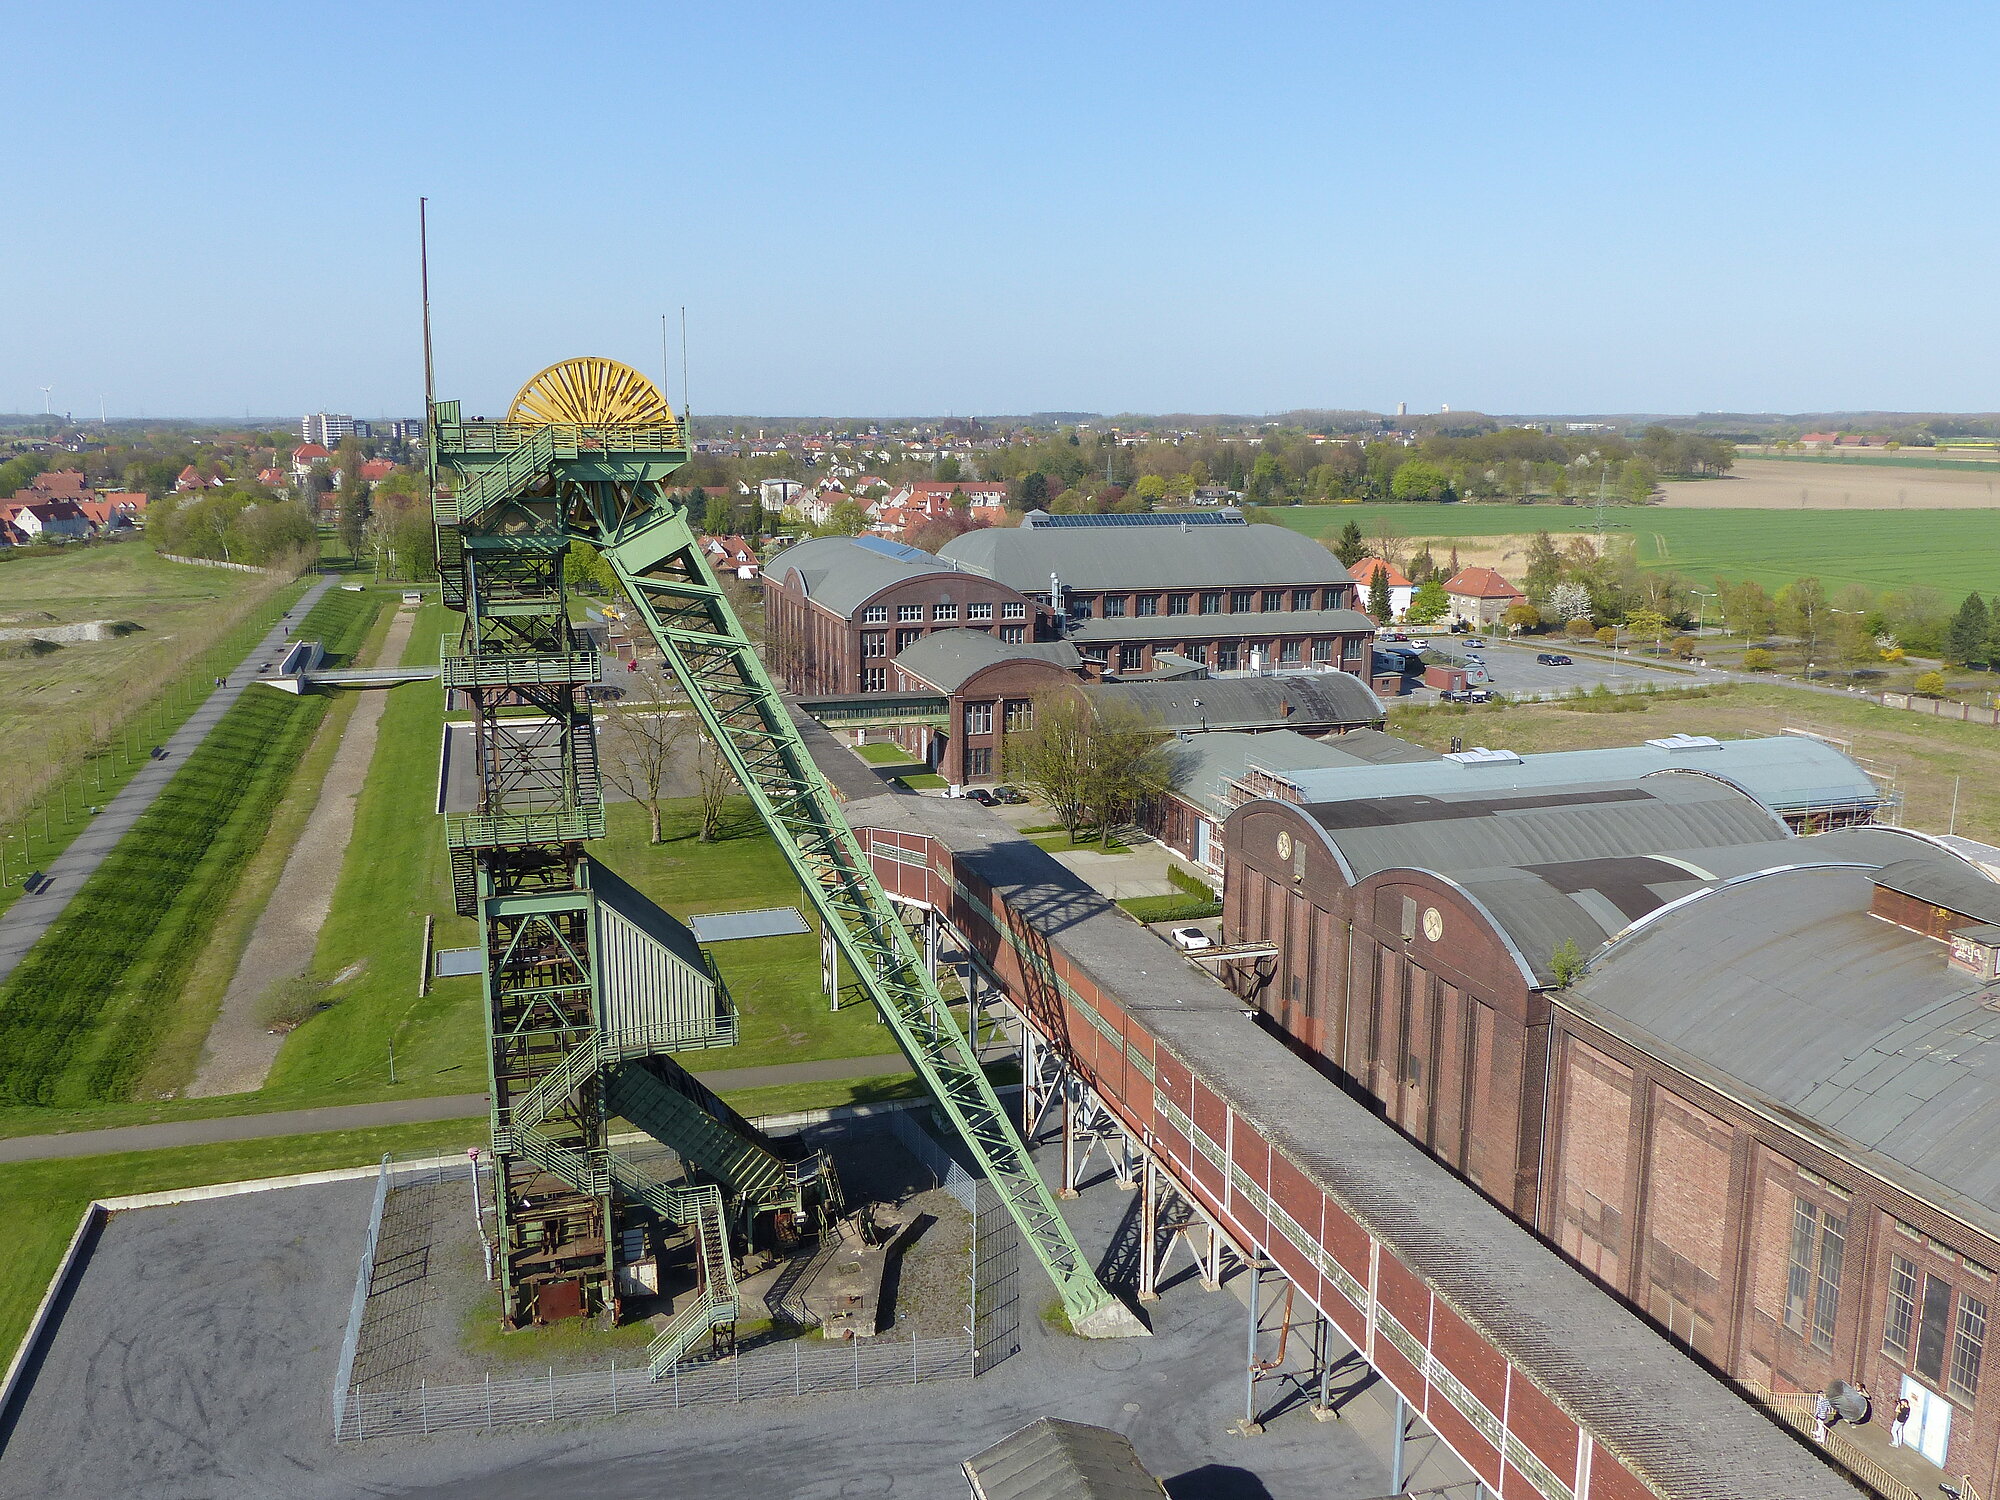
(1284, 844)
(1433, 923)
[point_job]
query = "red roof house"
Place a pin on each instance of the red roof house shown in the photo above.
(1480, 596)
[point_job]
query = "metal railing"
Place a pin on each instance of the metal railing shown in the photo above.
(343, 1375)
(492, 830)
(503, 437)
(462, 671)
(1798, 1410)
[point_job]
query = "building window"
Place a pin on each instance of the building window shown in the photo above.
(875, 614)
(875, 643)
(1013, 611)
(1196, 651)
(1177, 604)
(978, 611)
(906, 639)
(978, 718)
(874, 679)
(1019, 716)
(1130, 658)
(944, 612)
(1323, 651)
(910, 613)
(1302, 598)
(1812, 1281)
(1288, 651)
(1900, 1321)
(1147, 604)
(1211, 602)
(1933, 1322)
(1968, 1347)
(1329, 599)
(1225, 656)
(1274, 600)
(1241, 601)
(1114, 606)
(978, 762)
(1079, 609)
(1014, 635)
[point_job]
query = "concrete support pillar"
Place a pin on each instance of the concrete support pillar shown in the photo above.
(1398, 1436)
(931, 926)
(1068, 1188)
(829, 968)
(1149, 1232)
(1250, 1426)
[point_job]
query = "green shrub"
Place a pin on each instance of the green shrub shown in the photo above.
(1757, 659)
(1193, 885)
(1172, 908)
(1929, 684)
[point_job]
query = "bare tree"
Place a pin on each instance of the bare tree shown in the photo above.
(649, 736)
(714, 781)
(1090, 765)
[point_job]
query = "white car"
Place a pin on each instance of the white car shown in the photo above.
(1191, 939)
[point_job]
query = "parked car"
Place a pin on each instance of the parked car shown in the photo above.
(1466, 695)
(1009, 794)
(1554, 659)
(1475, 640)
(1191, 939)
(1391, 635)
(980, 795)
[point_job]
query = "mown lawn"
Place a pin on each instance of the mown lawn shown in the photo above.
(79, 1017)
(1955, 551)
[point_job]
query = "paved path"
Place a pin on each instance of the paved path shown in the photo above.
(31, 916)
(241, 1048)
(388, 1112)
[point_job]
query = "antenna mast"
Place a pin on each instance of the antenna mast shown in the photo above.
(424, 275)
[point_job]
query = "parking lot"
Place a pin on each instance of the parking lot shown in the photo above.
(1512, 668)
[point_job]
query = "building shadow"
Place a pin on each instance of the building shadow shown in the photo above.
(1217, 1482)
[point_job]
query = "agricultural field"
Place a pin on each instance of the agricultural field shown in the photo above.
(1827, 484)
(79, 1018)
(1930, 762)
(49, 697)
(1954, 551)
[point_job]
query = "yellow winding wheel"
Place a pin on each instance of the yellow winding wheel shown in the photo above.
(595, 392)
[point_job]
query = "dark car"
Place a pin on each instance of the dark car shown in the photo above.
(1554, 659)
(980, 795)
(1009, 794)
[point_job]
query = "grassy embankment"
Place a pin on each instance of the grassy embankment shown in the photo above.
(1954, 551)
(81, 1015)
(1929, 759)
(124, 695)
(42, 1201)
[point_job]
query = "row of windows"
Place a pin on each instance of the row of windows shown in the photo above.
(941, 614)
(1927, 1323)
(1226, 656)
(876, 642)
(1210, 602)
(1017, 714)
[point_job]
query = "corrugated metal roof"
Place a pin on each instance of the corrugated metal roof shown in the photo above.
(1950, 883)
(728, 926)
(1053, 1459)
(1253, 626)
(946, 658)
(839, 572)
(1203, 763)
(1380, 749)
(1784, 772)
(1485, 830)
(1784, 986)
(1145, 557)
(1201, 703)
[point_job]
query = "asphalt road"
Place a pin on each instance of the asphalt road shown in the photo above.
(23, 923)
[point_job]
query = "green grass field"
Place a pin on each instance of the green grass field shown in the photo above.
(1955, 551)
(78, 1018)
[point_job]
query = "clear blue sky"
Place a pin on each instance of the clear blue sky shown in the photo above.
(924, 209)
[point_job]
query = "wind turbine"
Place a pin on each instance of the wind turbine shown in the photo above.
(46, 409)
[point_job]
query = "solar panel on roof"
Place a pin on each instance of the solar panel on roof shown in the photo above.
(1038, 521)
(897, 550)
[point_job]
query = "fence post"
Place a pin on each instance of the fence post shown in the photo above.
(489, 1400)
(614, 1387)
(424, 1403)
(552, 1393)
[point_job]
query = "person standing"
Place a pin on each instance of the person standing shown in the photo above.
(1896, 1420)
(1825, 1415)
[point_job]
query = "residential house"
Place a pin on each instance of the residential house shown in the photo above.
(1401, 590)
(1481, 598)
(731, 554)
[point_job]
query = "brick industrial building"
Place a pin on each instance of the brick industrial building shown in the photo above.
(1228, 597)
(1745, 1079)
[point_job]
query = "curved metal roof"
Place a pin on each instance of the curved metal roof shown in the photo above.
(947, 659)
(1784, 772)
(841, 572)
(1194, 557)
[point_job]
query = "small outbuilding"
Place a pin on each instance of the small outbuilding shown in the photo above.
(1051, 1459)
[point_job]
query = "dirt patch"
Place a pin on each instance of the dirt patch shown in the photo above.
(263, 1000)
(1783, 484)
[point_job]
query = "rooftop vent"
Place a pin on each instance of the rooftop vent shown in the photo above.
(1686, 742)
(1479, 755)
